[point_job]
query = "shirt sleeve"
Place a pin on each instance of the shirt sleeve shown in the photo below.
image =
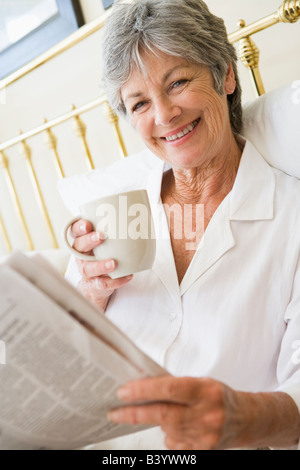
(73, 275)
(288, 368)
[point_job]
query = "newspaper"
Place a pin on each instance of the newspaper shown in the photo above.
(64, 361)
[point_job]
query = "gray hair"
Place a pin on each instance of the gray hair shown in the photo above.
(182, 28)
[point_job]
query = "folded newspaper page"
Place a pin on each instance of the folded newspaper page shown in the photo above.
(63, 362)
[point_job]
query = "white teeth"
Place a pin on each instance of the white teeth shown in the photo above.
(185, 131)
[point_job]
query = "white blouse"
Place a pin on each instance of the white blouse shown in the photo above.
(235, 317)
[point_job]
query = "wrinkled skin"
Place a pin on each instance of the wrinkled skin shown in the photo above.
(204, 414)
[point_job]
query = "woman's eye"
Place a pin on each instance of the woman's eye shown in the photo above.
(138, 106)
(178, 83)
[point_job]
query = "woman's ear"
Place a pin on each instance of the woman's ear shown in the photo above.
(230, 82)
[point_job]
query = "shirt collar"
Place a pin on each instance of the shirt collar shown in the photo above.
(155, 180)
(252, 195)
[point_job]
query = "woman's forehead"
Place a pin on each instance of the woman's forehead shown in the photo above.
(139, 80)
(155, 59)
(156, 68)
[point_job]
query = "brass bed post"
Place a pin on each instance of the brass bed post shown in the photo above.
(51, 142)
(80, 130)
(3, 231)
(113, 119)
(249, 55)
(4, 164)
(288, 12)
(26, 152)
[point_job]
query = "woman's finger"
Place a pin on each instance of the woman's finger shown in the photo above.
(90, 269)
(173, 444)
(106, 283)
(165, 388)
(87, 243)
(103, 283)
(81, 227)
(154, 413)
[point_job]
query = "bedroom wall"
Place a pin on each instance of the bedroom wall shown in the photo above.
(74, 78)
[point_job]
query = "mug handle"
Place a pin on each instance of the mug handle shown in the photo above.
(74, 252)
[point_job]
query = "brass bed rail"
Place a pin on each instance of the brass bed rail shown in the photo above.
(288, 12)
(51, 141)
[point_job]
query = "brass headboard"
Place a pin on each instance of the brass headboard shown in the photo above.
(288, 12)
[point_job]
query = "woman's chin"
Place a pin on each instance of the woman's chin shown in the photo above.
(184, 160)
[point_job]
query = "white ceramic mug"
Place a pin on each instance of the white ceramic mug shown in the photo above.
(125, 221)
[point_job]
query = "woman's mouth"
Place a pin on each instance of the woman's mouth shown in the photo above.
(183, 132)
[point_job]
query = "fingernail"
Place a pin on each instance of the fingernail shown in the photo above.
(96, 237)
(83, 228)
(110, 264)
(129, 277)
(124, 393)
(114, 416)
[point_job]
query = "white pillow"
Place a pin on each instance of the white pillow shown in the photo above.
(272, 124)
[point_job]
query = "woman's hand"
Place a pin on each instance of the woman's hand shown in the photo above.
(190, 411)
(204, 414)
(95, 284)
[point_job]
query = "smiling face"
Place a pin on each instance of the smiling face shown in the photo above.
(175, 109)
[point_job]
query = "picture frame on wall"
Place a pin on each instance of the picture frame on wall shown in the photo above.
(28, 29)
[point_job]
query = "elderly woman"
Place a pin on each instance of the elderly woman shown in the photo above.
(221, 314)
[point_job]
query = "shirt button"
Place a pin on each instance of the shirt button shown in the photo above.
(173, 316)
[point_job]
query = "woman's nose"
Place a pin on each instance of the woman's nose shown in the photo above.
(165, 111)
